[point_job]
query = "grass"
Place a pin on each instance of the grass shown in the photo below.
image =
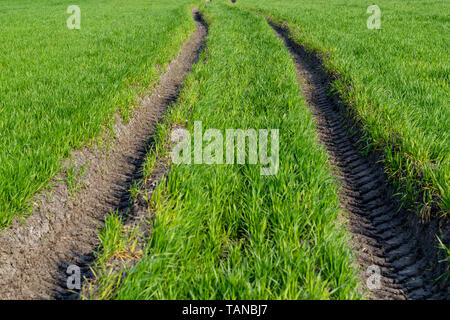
(396, 79)
(225, 231)
(73, 178)
(59, 88)
(120, 245)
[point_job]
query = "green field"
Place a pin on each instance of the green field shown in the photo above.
(59, 87)
(226, 232)
(395, 78)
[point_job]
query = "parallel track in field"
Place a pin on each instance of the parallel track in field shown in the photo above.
(62, 230)
(384, 238)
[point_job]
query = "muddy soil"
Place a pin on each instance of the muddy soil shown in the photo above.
(62, 229)
(389, 241)
(137, 216)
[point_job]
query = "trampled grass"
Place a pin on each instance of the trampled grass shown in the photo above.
(59, 87)
(396, 79)
(225, 231)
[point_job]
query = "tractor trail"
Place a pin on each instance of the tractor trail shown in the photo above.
(385, 237)
(62, 230)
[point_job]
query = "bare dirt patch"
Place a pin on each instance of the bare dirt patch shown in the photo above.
(62, 230)
(384, 235)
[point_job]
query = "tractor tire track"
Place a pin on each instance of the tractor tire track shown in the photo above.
(385, 237)
(62, 230)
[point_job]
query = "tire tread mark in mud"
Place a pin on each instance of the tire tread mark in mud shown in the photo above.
(380, 230)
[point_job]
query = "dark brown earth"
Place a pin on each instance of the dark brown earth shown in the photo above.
(62, 229)
(384, 235)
